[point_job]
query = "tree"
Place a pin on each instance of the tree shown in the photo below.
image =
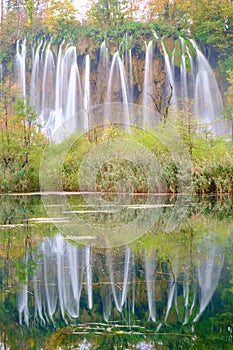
(210, 21)
(60, 19)
(109, 13)
(20, 142)
(228, 111)
(154, 9)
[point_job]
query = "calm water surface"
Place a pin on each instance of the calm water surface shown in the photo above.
(116, 274)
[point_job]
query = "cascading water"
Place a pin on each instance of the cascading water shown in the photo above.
(20, 67)
(56, 112)
(104, 58)
(183, 71)
(70, 88)
(35, 78)
(117, 84)
(131, 76)
(148, 85)
(87, 96)
(169, 74)
(207, 97)
(47, 92)
(60, 86)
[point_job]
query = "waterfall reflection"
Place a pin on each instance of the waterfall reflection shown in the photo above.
(69, 279)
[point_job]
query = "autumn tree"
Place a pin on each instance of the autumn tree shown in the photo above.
(210, 21)
(60, 19)
(154, 9)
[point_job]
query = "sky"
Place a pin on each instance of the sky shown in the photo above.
(82, 6)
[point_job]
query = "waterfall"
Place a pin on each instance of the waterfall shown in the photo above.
(102, 74)
(148, 86)
(169, 74)
(183, 72)
(104, 59)
(207, 97)
(61, 92)
(131, 98)
(58, 108)
(60, 88)
(20, 66)
(119, 83)
(87, 95)
(72, 100)
(72, 88)
(192, 72)
(35, 79)
(47, 92)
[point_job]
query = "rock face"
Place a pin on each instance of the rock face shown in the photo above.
(60, 81)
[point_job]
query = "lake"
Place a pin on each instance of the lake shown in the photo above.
(105, 271)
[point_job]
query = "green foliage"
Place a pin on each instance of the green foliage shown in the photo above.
(60, 21)
(211, 160)
(108, 13)
(228, 111)
(21, 145)
(121, 175)
(226, 65)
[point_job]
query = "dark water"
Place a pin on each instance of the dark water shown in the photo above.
(116, 272)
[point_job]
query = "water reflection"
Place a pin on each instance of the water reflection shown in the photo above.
(160, 283)
(66, 272)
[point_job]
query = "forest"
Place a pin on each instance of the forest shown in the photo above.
(117, 23)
